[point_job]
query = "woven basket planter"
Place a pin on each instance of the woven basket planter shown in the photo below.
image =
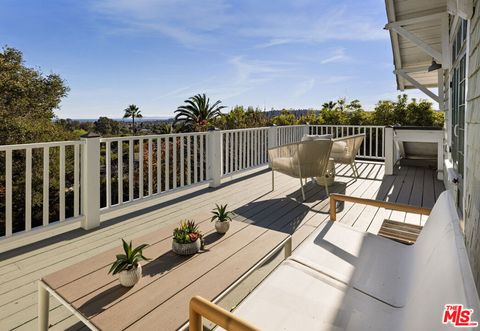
(186, 249)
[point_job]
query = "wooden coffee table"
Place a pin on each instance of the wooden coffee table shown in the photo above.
(160, 300)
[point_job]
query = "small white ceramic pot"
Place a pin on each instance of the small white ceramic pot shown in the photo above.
(222, 227)
(128, 278)
(186, 249)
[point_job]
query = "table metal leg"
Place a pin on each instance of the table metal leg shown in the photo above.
(43, 307)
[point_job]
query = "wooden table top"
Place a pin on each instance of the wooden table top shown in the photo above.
(160, 300)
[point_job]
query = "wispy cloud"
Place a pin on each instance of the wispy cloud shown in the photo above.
(185, 21)
(338, 55)
(193, 22)
(335, 79)
(249, 74)
(304, 87)
(334, 23)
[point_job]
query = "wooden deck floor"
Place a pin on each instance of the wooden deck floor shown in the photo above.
(249, 195)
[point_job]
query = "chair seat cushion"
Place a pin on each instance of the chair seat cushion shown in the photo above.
(369, 263)
(308, 137)
(339, 147)
(295, 297)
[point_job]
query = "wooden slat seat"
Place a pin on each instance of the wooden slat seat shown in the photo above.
(404, 233)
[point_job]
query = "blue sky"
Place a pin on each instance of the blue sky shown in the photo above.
(156, 53)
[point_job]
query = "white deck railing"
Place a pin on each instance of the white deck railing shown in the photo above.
(373, 146)
(52, 159)
(80, 180)
(139, 167)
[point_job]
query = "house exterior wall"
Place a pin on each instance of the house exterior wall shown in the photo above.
(472, 164)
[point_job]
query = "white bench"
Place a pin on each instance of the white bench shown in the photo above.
(343, 279)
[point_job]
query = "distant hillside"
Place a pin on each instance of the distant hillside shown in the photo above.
(128, 120)
(296, 112)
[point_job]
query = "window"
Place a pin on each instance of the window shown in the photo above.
(458, 101)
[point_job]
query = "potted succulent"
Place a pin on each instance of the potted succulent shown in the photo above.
(127, 265)
(187, 239)
(221, 217)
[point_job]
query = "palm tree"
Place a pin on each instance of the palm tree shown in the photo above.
(133, 112)
(341, 103)
(329, 105)
(197, 112)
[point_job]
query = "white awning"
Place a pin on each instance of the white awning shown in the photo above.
(418, 33)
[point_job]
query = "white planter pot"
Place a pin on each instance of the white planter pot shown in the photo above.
(128, 278)
(186, 249)
(222, 227)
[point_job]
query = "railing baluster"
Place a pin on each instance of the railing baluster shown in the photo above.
(108, 174)
(46, 185)
(383, 142)
(254, 147)
(167, 163)
(76, 180)
(195, 160)
(159, 165)
(189, 162)
(235, 159)
(28, 189)
(202, 158)
(62, 184)
(248, 148)
(131, 155)
(376, 142)
(370, 143)
(226, 153)
(150, 168)
(140, 168)
(120, 171)
(8, 193)
(230, 136)
(182, 162)
(174, 162)
(364, 142)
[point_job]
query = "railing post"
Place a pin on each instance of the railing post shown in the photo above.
(389, 150)
(90, 181)
(214, 156)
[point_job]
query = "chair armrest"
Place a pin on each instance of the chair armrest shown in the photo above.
(201, 307)
(376, 203)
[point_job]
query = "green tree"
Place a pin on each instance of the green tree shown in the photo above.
(285, 118)
(28, 99)
(197, 113)
(133, 112)
(107, 127)
(329, 105)
(341, 104)
(354, 105)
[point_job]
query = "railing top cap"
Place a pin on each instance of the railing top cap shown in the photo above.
(90, 135)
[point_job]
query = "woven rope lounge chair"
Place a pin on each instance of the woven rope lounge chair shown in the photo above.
(344, 149)
(306, 159)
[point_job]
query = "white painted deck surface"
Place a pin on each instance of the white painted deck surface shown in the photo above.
(251, 198)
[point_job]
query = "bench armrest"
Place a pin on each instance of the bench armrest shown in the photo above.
(376, 203)
(201, 307)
